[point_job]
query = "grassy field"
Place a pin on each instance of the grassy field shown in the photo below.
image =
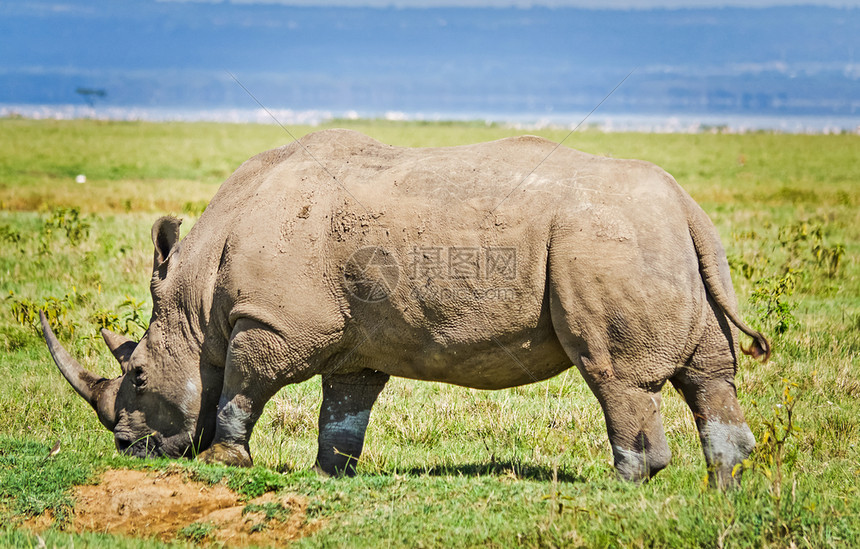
(444, 465)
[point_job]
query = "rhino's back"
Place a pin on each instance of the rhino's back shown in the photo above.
(356, 175)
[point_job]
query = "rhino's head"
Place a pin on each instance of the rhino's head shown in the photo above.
(162, 403)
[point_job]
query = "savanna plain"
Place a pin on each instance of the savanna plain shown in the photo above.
(442, 465)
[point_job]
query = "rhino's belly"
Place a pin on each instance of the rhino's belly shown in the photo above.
(493, 363)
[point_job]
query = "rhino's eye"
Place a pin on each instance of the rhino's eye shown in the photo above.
(138, 378)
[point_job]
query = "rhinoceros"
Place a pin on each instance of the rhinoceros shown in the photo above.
(487, 266)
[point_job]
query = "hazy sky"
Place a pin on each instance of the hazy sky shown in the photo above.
(596, 4)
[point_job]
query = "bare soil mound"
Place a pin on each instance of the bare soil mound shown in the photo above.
(166, 506)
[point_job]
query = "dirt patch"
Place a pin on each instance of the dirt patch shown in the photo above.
(166, 506)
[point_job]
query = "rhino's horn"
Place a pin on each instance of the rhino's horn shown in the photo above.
(120, 346)
(98, 391)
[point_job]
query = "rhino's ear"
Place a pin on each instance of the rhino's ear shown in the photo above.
(165, 235)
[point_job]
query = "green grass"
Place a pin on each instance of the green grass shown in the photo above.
(31, 485)
(444, 465)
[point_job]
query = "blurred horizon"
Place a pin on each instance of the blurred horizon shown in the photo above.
(515, 63)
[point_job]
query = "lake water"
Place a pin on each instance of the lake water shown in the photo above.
(608, 122)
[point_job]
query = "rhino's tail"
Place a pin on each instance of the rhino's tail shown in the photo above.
(711, 255)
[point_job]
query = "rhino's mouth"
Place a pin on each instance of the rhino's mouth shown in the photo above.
(156, 445)
(144, 447)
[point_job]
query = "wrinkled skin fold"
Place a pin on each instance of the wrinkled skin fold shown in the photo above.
(463, 265)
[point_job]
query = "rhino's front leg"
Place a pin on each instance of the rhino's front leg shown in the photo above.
(344, 414)
(237, 415)
(255, 370)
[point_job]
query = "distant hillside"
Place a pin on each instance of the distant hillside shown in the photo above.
(788, 60)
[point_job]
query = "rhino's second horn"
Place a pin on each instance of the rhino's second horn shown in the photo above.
(121, 347)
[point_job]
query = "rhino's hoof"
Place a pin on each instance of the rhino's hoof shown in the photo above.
(725, 479)
(319, 470)
(226, 454)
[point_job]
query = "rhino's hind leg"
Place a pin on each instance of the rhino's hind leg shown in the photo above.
(726, 437)
(630, 402)
(707, 383)
(635, 429)
(344, 414)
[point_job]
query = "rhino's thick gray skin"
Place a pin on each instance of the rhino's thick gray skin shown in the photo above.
(457, 265)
